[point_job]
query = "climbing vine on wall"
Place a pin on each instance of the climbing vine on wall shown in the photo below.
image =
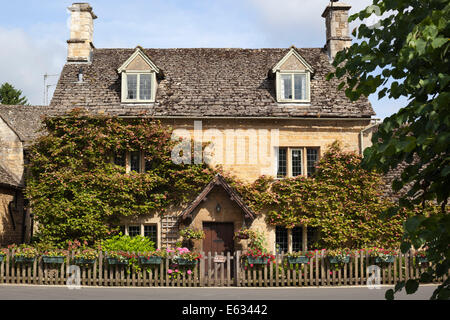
(76, 190)
(342, 199)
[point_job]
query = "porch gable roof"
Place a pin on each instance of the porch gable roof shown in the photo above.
(218, 180)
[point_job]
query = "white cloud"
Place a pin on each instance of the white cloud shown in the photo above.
(288, 22)
(24, 59)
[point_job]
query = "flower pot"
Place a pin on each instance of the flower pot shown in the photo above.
(386, 259)
(116, 261)
(84, 261)
(55, 260)
(345, 259)
(421, 259)
(19, 259)
(185, 262)
(298, 260)
(257, 260)
(150, 260)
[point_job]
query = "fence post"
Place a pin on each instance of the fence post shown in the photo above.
(237, 276)
(202, 269)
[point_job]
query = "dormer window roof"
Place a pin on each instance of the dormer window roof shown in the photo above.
(138, 78)
(293, 76)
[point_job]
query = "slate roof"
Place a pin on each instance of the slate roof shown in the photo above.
(25, 121)
(204, 83)
(7, 179)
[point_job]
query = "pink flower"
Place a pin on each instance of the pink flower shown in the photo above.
(176, 270)
(189, 272)
(169, 271)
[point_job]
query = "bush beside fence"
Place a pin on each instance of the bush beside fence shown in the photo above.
(213, 270)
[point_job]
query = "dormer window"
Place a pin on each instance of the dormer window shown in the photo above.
(293, 75)
(138, 78)
(294, 86)
(138, 87)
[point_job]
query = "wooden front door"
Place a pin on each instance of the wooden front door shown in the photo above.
(218, 237)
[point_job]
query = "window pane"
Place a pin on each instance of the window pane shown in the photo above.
(132, 86)
(281, 239)
(286, 86)
(282, 163)
(134, 231)
(296, 162)
(135, 161)
(145, 86)
(119, 159)
(297, 239)
(312, 156)
(300, 86)
(148, 165)
(313, 237)
(151, 232)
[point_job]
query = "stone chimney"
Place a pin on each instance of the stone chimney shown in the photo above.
(338, 33)
(81, 33)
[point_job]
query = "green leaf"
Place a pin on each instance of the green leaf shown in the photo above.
(405, 246)
(413, 223)
(438, 42)
(411, 286)
(389, 295)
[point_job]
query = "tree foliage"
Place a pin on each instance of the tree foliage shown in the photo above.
(408, 56)
(11, 96)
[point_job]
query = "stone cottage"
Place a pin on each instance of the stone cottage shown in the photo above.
(268, 111)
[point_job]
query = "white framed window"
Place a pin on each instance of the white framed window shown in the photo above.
(138, 86)
(147, 230)
(293, 86)
(296, 161)
(132, 161)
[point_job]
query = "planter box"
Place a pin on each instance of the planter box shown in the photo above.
(115, 261)
(185, 262)
(150, 260)
(243, 237)
(298, 260)
(55, 260)
(23, 259)
(258, 260)
(388, 259)
(84, 261)
(421, 259)
(339, 260)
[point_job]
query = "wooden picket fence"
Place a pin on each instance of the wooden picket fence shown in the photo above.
(214, 269)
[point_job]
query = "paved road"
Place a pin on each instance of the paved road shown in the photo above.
(13, 292)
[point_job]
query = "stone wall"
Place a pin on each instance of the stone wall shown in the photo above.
(11, 151)
(249, 165)
(11, 226)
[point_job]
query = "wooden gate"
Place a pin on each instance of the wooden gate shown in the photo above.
(217, 269)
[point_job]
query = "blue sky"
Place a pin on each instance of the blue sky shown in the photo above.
(33, 33)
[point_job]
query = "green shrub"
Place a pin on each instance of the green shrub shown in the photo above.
(138, 244)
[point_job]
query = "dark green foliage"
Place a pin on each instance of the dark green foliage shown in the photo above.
(11, 96)
(411, 52)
